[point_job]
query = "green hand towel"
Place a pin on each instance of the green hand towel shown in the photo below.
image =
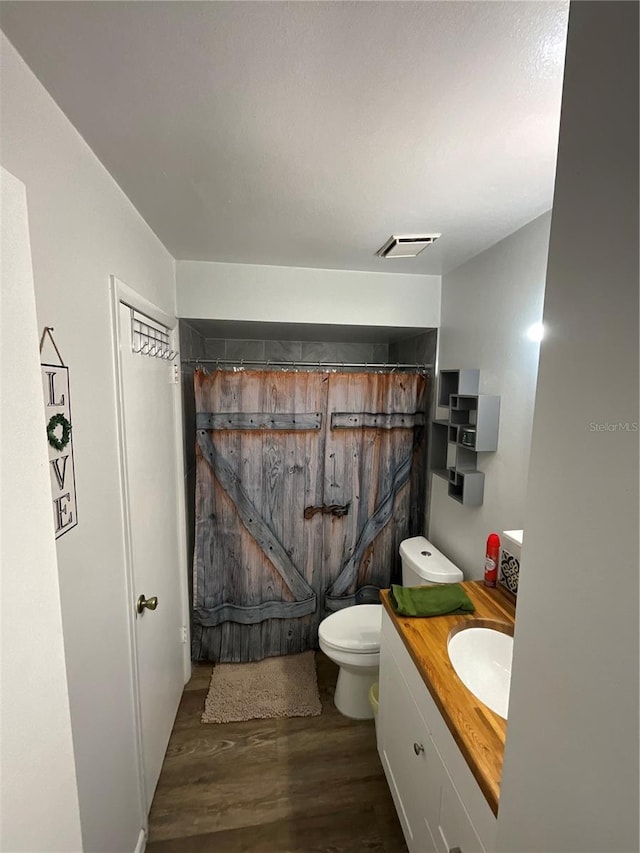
(430, 600)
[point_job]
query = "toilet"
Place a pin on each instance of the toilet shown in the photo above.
(351, 637)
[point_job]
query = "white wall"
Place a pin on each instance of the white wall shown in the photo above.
(38, 792)
(487, 306)
(570, 782)
(83, 229)
(217, 291)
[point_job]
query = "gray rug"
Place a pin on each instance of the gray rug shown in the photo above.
(274, 687)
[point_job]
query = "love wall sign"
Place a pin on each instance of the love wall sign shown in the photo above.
(57, 407)
(55, 380)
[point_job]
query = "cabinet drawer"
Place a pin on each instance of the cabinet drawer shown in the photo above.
(392, 642)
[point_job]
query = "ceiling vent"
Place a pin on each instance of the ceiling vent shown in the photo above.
(406, 246)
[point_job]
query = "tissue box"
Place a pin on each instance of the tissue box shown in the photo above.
(510, 559)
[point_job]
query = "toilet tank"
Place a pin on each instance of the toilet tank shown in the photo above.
(424, 565)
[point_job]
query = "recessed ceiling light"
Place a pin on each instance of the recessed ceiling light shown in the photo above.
(406, 246)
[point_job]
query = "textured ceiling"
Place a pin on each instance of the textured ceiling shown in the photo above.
(306, 133)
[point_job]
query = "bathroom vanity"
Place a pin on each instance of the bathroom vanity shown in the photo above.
(441, 748)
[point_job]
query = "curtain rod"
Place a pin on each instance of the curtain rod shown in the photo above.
(263, 363)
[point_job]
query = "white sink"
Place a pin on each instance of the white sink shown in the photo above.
(482, 659)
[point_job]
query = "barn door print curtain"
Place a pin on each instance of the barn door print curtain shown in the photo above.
(306, 483)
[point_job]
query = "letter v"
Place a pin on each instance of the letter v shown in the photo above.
(56, 463)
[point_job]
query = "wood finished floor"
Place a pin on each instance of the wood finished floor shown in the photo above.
(297, 785)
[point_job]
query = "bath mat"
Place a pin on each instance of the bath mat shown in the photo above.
(275, 687)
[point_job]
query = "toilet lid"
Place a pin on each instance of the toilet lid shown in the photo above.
(354, 628)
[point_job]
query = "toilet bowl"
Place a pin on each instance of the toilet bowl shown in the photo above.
(351, 637)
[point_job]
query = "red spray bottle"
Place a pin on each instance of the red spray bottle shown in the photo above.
(491, 560)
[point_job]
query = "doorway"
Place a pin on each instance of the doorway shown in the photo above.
(151, 481)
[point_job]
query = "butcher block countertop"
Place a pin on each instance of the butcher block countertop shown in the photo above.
(478, 731)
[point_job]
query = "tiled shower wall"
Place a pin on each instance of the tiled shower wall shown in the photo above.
(200, 347)
(419, 349)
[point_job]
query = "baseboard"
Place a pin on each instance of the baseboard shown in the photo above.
(142, 842)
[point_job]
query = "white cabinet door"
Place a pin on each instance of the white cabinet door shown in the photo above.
(408, 757)
(455, 833)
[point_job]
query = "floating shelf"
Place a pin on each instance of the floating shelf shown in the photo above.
(457, 382)
(471, 428)
(467, 488)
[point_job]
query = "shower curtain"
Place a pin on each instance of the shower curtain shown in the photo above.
(306, 483)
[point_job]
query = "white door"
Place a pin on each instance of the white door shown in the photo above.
(148, 399)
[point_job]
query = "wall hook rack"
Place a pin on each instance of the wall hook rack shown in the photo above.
(150, 338)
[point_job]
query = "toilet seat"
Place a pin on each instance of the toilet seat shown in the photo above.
(355, 629)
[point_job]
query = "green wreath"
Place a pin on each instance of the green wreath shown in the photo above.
(54, 422)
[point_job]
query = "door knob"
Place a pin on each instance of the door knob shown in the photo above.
(149, 603)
